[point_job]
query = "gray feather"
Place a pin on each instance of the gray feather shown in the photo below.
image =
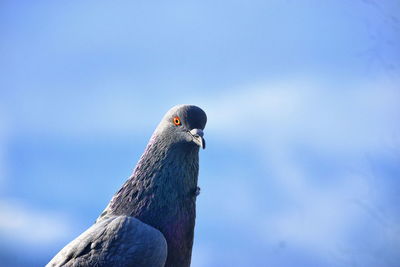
(115, 241)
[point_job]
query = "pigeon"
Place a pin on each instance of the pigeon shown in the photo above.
(150, 221)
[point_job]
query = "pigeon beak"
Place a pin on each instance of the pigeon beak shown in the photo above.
(198, 139)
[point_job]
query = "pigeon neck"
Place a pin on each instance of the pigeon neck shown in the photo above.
(161, 193)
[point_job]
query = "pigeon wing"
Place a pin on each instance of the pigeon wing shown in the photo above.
(115, 241)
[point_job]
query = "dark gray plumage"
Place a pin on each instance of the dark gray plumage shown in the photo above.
(150, 220)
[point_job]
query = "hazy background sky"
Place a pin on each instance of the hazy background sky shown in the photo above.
(302, 164)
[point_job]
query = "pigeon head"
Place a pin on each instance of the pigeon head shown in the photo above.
(183, 125)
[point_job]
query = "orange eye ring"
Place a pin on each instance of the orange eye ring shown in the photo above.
(177, 121)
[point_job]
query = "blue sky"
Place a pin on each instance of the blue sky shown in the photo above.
(302, 159)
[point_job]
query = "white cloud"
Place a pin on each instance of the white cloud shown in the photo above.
(317, 215)
(355, 116)
(318, 218)
(326, 221)
(23, 224)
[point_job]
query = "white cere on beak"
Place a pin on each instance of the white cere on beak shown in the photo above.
(197, 135)
(197, 132)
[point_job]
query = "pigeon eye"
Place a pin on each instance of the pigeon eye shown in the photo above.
(177, 121)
